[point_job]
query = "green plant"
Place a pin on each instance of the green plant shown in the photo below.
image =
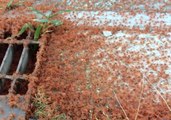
(40, 102)
(45, 22)
(10, 5)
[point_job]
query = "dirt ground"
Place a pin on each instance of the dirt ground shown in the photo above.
(81, 74)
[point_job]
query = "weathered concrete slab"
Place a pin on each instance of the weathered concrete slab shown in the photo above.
(7, 112)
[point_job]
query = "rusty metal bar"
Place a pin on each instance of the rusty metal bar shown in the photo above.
(6, 63)
(4, 69)
(2, 41)
(11, 77)
(21, 67)
(23, 60)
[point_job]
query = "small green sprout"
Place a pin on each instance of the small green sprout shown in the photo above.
(10, 5)
(45, 22)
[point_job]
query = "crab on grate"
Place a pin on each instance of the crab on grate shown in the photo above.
(17, 61)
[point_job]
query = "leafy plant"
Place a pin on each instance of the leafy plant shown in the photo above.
(45, 22)
(10, 5)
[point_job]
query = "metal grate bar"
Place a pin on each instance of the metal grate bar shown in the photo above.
(18, 42)
(16, 81)
(6, 63)
(21, 67)
(23, 61)
(12, 77)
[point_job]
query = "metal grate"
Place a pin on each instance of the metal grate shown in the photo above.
(14, 73)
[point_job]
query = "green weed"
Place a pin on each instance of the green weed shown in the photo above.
(11, 5)
(40, 103)
(45, 22)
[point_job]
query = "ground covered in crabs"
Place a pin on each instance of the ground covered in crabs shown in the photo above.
(90, 70)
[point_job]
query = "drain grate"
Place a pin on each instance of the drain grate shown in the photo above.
(17, 61)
